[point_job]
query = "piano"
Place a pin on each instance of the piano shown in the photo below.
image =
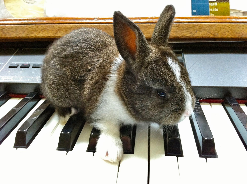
(208, 148)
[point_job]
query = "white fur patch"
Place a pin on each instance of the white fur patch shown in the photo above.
(110, 107)
(110, 113)
(177, 71)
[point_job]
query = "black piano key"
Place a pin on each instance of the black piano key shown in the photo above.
(172, 141)
(237, 117)
(94, 136)
(16, 114)
(127, 135)
(4, 97)
(202, 133)
(31, 127)
(70, 132)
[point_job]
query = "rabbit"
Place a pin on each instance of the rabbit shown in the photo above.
(120, 80)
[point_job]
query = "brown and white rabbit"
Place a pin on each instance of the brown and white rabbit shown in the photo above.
(118, 80)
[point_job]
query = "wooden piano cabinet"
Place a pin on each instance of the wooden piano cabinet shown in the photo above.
(184, 28)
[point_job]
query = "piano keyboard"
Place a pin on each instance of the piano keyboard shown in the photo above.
(208, 148)
(40, 160)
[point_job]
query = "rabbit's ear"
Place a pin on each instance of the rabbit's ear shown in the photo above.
(129, 39)
(162, 29)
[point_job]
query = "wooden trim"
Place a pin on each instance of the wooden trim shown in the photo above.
(75, 20)
(184, 28)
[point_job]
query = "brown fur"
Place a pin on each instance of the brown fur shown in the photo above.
(161, 32)
(76, 69)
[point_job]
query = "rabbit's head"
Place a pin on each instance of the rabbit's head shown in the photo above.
(154, 86)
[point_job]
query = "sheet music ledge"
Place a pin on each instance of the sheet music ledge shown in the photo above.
(219, 28)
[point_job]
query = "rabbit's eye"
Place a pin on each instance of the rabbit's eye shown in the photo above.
(161, 93)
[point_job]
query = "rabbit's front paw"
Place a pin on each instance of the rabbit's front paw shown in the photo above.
(109, 148)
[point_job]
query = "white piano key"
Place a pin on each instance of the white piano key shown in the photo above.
(82, 159)
(134, 167)
(6, 148)
(191, 166)
(105, 172)
(231, 165)
(163, 169)
(5, 108)
(55, 159)
(244, 107)
(8, 143)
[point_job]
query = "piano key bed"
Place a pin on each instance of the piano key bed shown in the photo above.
(212, 143)
(209, 147)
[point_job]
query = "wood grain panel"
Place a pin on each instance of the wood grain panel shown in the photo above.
(184, 29)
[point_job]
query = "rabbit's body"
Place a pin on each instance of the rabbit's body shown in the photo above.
(121, 81)
(77, 81)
